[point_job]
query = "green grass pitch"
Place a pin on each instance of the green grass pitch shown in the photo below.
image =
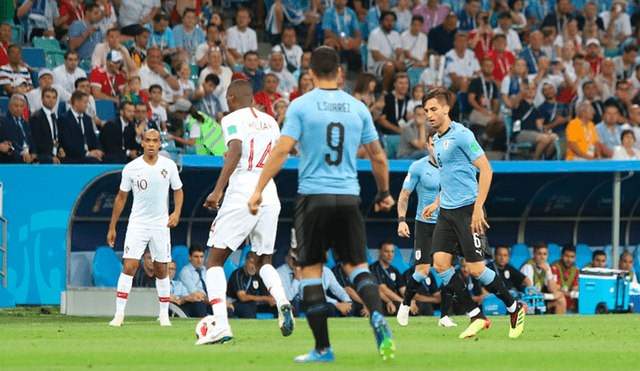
(31, 341)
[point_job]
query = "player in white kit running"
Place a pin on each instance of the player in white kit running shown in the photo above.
(149, 178)
(249, 136)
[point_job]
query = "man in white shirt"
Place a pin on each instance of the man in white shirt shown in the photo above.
(414, 43)
(111, 42)
(290, 49)
(504, 27)
(241, 38)
(461, 64)
(385, 50)
(66, 74)
(617, 23)
(155, 73)
(287, 83)
(544, 77)
(135, 13)
(45, 80)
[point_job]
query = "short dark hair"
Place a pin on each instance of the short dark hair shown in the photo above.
(628, 131)
(52, 90)
(196, 247)
(386, 13)
(577, 56)
(325, 63)
(79, 80)
(598, 253)
(250, 255)
(271, 75)
(155, 86)
(212, 78)
(250, 52)
(587, 83)
(621, 82)
(161, 17)
(568, 247)
(505, 14)
(77, 95)
(113, 29)
(89, 7)
(124, 103)
(189, 10)
(630, 47)
(443, 95)
(210, 25)
(503, 247)
(386, 242)
(69, 52)
(141, 30)
(540, 245)
(142, 104)
(420, 18)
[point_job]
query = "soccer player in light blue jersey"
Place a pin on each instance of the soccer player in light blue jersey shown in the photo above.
(461, 223)
(329, 125)
(424, 177)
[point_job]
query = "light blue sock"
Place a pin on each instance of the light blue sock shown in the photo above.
(487, 276)
(446, 276)
(419, 277)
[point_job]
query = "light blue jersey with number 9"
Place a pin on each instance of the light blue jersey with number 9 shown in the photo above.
(329, 126)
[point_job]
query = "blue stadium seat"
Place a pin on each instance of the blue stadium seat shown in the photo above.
(180, 255)
(636, 260)
(34, 57)
(414, 75)
(331, 262)
(554, 252)
(519, 255)
(583, 255)
(609, 251)
(106, 267)
(105, 109)
(512, 147)
(391, 144)
(399, 262)
(369, 258)
(364, 55)
(4, 104)
(229, 267)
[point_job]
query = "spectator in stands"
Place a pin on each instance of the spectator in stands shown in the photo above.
(609, 132)
(538, 271)
(621, 100)
(44, 129)
(16, 130)
(158, 112)
(511, 86)
(268, 95)
(589, 92)
(286, 82)
(248, 292)
(561, 16)
(193, 305)
(112, 42)
(131, 91)
(582, 138)
(390, 280)
(441, 38)
(44, 18)
(109, 19)
(214, 39)
(250, 69)
(223, 72)
(606, 81)
(385, 50)
(480, 39)
(403, 12)
(291, 50)
(305, 85)
(544, 77)
(342, 32)
(591, 24)
(532, 52)
(626, 63)
(566, 275)
(594, 56)
(107, 81)
(65, 75)
(569, 36)
(467, 17)
(414, 44)
(461, 66)
(20, 87)
(374, 17)
(188, 36)
(84, 34)
(205, 100)
(505, 23)
(241, 38)
(626, 264)
(76, 133)
(394, 113)
(6, 32)
(617, 24)
(291, 12)
(305, 64)
(291, 275)
(475, 287)
(577, 76)
(364, 92)
(143, 123)
(531, 125)
(598, 260)
(513, 279)
(417, 93)
(183, 72)
(16, 68)
(45, 81)
(280, 110)
(145, 276)
(161, 36)
(118, 136)
(483, 97)
(433, 14)
(503, 60)
(634, 123)
(413, 142)
(556, 114)
(193, 275)
(136, 13)
(138, 51)
(82, 84)
(155, 73)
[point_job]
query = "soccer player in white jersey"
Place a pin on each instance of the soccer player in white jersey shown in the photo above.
(149, 178)
(249, 136)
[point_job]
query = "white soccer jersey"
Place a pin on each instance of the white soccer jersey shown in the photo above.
(150, 186)
(258, 133)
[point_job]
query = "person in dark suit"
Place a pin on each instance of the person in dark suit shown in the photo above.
(14, 129)
(117, 136)
(44, 129)
(75, 133)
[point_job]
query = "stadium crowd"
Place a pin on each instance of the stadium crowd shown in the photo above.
(534, 79)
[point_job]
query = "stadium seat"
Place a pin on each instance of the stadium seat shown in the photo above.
(608, 250)
(180, 255)
(106, 267)
(369, 259)
(554, 252)
(398, 261)
(391, 144)
(17, 34)
(34, 57)
(583, 255)
(414, 75)
(48, 44)
(636, 260)
(364, 55)
(4, 105)
(237, 68)
(105, 109)
(519, 255)
(513, 148)
(229, 267)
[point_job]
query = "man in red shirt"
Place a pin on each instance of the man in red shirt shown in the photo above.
(594, 56)
(268, 95)
(566, 275)
(5, 41)
(503, 59)
(480, 38)
(107, 81)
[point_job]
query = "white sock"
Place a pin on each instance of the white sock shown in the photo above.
(122, 294)
(272, 280)
(513, 306)
(217, 292)
(164, 294)
(474, 312)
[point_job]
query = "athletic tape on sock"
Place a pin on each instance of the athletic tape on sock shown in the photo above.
(446, 276)
(419, 277)
(487, 276)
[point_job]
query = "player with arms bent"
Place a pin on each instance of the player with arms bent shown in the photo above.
(329, 126)
(149, 178)
(249, 136)
(461, 223)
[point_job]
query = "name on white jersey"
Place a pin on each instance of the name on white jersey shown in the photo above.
(260, 125)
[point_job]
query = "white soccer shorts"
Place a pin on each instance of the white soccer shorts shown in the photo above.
(158, 240)
(235, 223)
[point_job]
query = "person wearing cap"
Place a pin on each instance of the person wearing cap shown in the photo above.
(16, 130)
(84, 34)
(202, 133)
(155, 73)
(440, 38)
(107, 80)
(594, 56)
(44, 129)
(45, 81)
(111, 42)
(66, 74)
(16, 68)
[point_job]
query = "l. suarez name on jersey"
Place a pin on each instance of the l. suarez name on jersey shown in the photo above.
(334, 107)
(260, 125)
